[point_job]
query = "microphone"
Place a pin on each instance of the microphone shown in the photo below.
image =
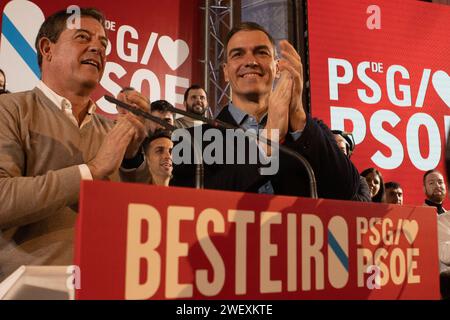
(140, 113)
(224, 125)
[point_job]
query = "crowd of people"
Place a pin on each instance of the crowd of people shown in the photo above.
(51, 138)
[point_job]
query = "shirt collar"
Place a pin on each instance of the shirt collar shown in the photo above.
(240, 116)
(237, 114)
(440, 208)
(61, 102)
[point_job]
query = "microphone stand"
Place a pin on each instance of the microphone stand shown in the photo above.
(199, 169)
(140, 113)
(224, 125)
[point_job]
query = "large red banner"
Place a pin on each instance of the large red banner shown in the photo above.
(147, 242)
(380, 69)
(154, 46)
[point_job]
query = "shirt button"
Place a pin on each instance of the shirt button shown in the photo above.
(65, 104)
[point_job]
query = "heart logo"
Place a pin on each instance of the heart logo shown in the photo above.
(410, 229)
(174, 53)
(441, 83)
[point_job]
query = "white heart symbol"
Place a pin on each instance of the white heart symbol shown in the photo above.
(410, 229)
(441, 83)
(174, 52)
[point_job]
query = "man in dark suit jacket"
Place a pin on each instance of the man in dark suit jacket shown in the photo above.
(251, 68)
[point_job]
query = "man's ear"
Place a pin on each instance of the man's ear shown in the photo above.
(45, 47)
(225, 72)
(277, 70)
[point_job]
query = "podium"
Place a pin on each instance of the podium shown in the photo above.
(37, 283)
(136, 241)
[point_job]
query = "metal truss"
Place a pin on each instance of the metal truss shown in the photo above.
(218, 20)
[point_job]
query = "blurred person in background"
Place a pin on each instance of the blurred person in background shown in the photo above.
(3, 82)
(346, 144)
(196, 102)
(434, 189)
(376, 184)
(393, 192)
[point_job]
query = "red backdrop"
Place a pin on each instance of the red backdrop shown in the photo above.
(380, 69)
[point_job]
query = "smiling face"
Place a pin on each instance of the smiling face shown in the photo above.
(373, 180)
(196, 101)
(159, 158)
(77, 60)
(250, 67)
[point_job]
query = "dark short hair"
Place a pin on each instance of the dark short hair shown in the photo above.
(246, 26)
(161, 106)
(55, 24)
(193, 87)
(379, 197)
(159, 133)
(125, 89)
(429, 172)
(392, 185)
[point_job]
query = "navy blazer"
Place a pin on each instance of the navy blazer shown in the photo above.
(336, 176)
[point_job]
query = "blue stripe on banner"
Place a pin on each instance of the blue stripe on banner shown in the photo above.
(21, 45)
(338, 250)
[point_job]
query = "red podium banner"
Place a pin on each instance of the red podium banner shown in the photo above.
(380, 70)
(147, 242)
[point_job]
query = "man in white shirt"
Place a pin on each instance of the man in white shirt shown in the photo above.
(51, 139)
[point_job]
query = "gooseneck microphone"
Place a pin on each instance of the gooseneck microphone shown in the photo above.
(224, 125)
(140, 113)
